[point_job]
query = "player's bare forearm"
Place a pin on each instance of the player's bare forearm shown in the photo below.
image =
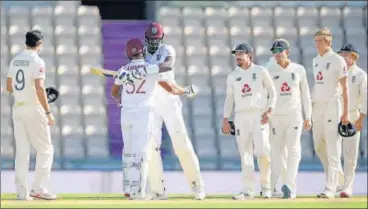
(178, 89)
(164, 67)
(115, 93)
(9, 86)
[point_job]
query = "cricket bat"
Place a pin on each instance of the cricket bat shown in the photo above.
(104, 72)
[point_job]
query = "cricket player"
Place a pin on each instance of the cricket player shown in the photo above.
(168, 109)
(330, 78)
(357, 81)
(32, 118)
(136, 118)
(287, 119)
(247, 89)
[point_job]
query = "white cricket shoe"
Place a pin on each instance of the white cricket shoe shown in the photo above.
(42, 194)
(339, 189)
(24, 196)
(243, 196)
(157, 196)
(199, 193)
(326, 195)
(266, 193)
(139, 197)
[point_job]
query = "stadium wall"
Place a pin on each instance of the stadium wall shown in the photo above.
(309, 183)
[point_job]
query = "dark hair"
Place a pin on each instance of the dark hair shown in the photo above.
(33, 38)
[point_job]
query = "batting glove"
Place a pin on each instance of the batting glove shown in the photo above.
(126, 77)
(190, 91)
(139, 73)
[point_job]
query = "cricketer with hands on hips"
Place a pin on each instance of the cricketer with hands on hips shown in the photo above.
(330, 76)
(32, 117)
(247, 88)
(287, 119)
(357, 81)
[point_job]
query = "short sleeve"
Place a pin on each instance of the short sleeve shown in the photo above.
(39, 69)
(117, 81)
(170, 51)
(341, 68)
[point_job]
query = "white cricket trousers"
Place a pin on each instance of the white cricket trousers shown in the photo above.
(350, 153)
(136, 126)
(31, 129)
(327, 140)
(172, 115)
(286, 150)
(249, 132)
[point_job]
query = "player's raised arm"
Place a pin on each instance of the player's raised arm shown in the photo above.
(116, 88)
(306, 97)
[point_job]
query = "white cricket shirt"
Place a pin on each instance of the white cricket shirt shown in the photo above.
(248, 90)
(292, 89)
(141, 93)
(328, 70)
(357, 81)
(24, 68)
(162, 96)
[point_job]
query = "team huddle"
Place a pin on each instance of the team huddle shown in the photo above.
(273, 105)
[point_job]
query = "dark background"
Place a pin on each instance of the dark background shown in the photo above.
(114, 10)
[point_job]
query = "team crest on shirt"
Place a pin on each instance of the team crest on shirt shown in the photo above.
(238, 79)
(273, 131)
(276, 77)
(158, 57)
(316, 65)
(238, 132)
(353, 79)
(254, 77)
(327, 66)
(293, 76)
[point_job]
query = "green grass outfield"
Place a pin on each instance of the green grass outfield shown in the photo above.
(179, 201)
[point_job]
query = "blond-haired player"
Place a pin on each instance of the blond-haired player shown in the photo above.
(330, 77)
(247, 88)
(357, 81)
(287, 119)
(32, 118)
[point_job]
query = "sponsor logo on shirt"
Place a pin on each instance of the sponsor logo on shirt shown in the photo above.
(246, 90)
(276, 77)
(319, 78)
(285, 89)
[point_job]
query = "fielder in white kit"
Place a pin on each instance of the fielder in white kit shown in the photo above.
(136, 117)
(32, 118)
(287, 119)
(357, 81)
(330, 77)
(247, 89)
(168, 109)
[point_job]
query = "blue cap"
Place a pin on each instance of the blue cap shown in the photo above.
(243, 47)
(348, 48)
(279, 45)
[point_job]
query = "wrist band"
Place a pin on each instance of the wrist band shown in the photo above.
(47, 113)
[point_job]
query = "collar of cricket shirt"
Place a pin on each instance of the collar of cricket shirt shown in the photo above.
(352, 68)
(30, 51)
(138, 60)
(327, 53)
